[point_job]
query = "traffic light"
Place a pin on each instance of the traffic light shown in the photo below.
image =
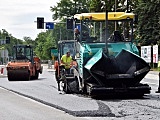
(40, 23)
(70, 24)
(7, 40)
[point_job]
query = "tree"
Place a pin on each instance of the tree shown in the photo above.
(29, 41)
(149, 22)
(13, 41)
(112, 5)
(67, 8)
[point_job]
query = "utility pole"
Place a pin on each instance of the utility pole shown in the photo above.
(115, 11)
(60, 34)
(106, 32)
(127, 6)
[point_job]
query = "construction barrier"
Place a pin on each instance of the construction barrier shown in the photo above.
(3, 70)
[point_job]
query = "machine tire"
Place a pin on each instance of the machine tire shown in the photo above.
(56, 75)
(28, 77)
(74, 86)
(36, 75)
(66, 88)
(10, 77)
(84, 89)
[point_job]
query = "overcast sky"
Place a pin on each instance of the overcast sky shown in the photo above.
(18, 16)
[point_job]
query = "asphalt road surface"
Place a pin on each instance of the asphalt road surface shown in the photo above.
(16, 107)
(44, 90)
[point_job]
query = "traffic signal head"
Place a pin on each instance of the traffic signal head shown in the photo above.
(70, 24)
(7, 40)
(40, 23)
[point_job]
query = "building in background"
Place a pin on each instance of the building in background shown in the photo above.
(4, 58)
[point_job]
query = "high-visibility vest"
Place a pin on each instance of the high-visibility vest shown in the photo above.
(67, 61)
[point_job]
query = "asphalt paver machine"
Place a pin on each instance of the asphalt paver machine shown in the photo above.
(107, 60)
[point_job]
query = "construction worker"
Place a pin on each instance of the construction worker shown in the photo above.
(20, 52)
(76, 34)
(66, 60)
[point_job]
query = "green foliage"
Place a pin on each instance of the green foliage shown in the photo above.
(13, 41)
(29, 41)
(96, 5)
(67, 8)
(112, 5)
(149, 22)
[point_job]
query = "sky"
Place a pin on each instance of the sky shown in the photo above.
(18, 17)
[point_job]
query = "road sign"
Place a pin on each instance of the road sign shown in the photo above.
(49, 25)
(155, 53)
(54, 52)
(146, 53)
(78, 26)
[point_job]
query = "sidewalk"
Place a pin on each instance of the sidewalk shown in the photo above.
(154, 72)
(153, 75)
